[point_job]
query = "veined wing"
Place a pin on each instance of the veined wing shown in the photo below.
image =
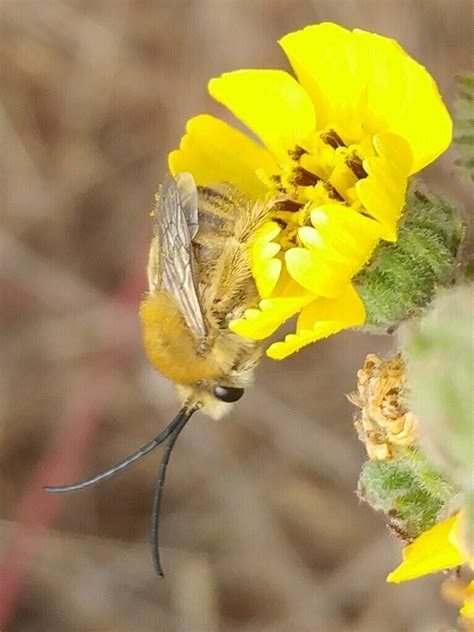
(171, 266)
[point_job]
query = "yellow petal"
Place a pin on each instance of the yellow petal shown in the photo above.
(261, 323)
(327, 65)
(213, 151)
(407, 95)
(431, 552)
(271, 103)
(266, 267)
(338, 246)
(361, 76)
(267, 276)
(348, 308)
(345, 234)
(315, 275)
(383, 191)
(321, 318)
(458, 538)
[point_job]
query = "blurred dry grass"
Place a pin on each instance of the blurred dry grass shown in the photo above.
(261, 528)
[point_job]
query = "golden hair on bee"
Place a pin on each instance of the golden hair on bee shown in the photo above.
(199, 280)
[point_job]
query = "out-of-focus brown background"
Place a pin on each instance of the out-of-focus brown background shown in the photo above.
(261, 528)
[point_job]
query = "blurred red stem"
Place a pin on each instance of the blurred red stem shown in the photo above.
(38, 510)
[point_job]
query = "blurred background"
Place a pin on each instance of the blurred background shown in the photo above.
(261, 528)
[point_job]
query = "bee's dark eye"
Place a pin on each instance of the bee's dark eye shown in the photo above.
(228, 393)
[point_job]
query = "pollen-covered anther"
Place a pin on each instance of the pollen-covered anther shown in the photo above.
(355, 165)
(296, 152)
(333, 192)
(333, 139)
(304, 178)
(288, 205)
(276, 180)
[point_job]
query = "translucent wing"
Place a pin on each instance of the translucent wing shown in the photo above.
(171, 265)
(188, 196)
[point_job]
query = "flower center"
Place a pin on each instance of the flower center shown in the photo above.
(321, 170)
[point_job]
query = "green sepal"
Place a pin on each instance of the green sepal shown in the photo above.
(464, 123)
(413, 494)
(402, 277)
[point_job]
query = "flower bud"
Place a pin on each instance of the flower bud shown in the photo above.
(413, 494)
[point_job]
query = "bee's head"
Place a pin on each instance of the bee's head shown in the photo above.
(229, 372)
(213, 398)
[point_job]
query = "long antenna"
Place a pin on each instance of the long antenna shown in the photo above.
(129, 460)
(155, 516)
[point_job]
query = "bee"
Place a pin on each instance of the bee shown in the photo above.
(199, 279)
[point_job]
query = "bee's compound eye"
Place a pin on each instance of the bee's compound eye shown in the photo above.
(228, 393)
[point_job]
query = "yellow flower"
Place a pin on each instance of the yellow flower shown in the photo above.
(437, 549)
(337, 148)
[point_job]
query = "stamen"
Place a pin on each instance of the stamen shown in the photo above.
(333, 139)
(288, 205)
(355, 165)
(276, 179)
(333, 192)
(297, 152)
(304, 178)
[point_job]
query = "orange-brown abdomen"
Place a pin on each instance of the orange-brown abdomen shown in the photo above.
(170, 345)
